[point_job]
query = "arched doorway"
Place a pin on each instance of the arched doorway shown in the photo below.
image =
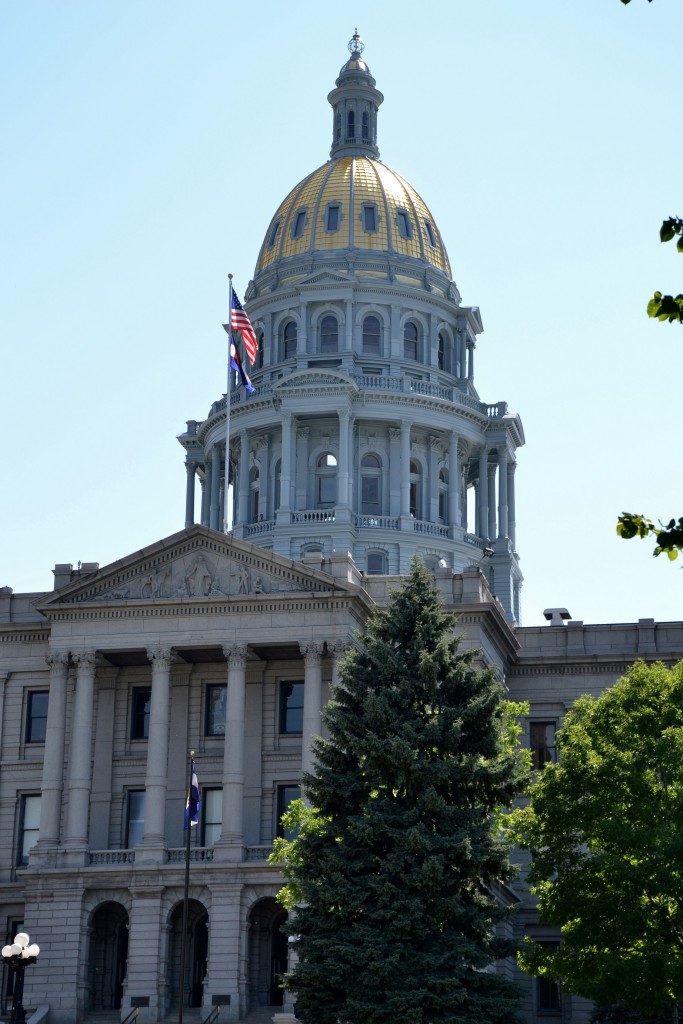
(196, 954)
(108, 956)
(267, 953)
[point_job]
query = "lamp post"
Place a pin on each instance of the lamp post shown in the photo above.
(18, 956)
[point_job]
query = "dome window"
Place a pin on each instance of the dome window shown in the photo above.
(299, 224)
(430, 233)
(376, 563)
(332, 217)
(338, 128)
(371, 486)
(369, 216)
(351, 126)
(329, 334)
(326, 472)
(273, 233)
(371, 336)
(289, 338)
(411, 341)
(405, 228)
(365, 126)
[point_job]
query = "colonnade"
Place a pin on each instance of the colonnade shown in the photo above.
(495, 467)
(79, 768)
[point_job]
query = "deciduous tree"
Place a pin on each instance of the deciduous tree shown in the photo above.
(605, 829)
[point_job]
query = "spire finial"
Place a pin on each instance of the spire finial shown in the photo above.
(356, 45)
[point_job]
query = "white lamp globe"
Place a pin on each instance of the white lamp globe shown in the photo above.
(21, 939)
(33, 949)
(15, 950)
(6, 950)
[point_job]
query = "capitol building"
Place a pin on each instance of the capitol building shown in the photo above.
(367, 440)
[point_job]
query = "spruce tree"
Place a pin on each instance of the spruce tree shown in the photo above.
(392, 872)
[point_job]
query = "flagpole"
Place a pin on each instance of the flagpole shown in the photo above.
(227, 416)
(186, 895)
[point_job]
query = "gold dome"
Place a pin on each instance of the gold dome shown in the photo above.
(402, 224)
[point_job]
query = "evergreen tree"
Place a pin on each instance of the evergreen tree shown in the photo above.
(393, 870)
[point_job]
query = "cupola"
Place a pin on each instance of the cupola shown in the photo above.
(355, 103)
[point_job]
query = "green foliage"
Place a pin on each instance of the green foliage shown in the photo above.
(669, 537)
(393, 873)
(605, 830)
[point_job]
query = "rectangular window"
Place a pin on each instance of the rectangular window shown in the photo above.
(285, 795)
(370, 495)
(333, 212)
(135, 818)
(273, 234)
(29, 826)
(36, 716)
(369, 217)
(212, 815)
(139, 714)
(299, 222)
(542, 743)
(291, 707)
(404, 226)
(548, 992)
(214, 723)
(430, 233)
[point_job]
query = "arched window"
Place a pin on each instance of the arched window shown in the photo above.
(441, 356)
(329, 334)
(443, 496)
(326, 480)
(376, 563)
(350, 126)
(370, 486)
(415, 490)
(372, 334)
(289, 337)
(259, 351)
(254, 494)
(411, 341)
(365, 130)
(276, 488)
(338, 127)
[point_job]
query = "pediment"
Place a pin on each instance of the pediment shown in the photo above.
(324, 277)
(315, 378)
(196, 564)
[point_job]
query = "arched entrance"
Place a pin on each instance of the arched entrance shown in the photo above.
(196, 954)
(108, 956)
(267, 953)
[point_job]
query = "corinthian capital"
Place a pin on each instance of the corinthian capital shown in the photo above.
(312, 652)
(161, 657)
(58, 661)
(236, 655)
(86, 661)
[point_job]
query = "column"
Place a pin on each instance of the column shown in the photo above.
(215, 487)
(470, 360)
(454, 482)
(190, 468)
(502, 492)
(264, 475)
(206, 494)
(286, 419)
(313, 698)
(348, 346)
(338, 649)
(52, 784)
(395, 475)
(492, 500)
(243, 494)
(433, 479)
(80, 753)
(301, 487)
(232, 828)
(157, 748)
(512, 466)
(405, 467)
(344, 469)
(483, 520)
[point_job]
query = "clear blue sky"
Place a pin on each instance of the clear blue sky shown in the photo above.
(146, 145)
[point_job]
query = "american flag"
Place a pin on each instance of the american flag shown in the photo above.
(241, 322)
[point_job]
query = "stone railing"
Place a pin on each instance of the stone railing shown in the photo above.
(257, 852)
(318, 515)
(257, 529)
(198, 854)
(378, 522)
(98, 858)
(477, 542)
(433, 529)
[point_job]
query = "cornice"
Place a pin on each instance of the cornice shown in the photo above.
(17, 634)
(590, 664)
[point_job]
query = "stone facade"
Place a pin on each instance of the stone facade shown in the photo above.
(365, 442)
